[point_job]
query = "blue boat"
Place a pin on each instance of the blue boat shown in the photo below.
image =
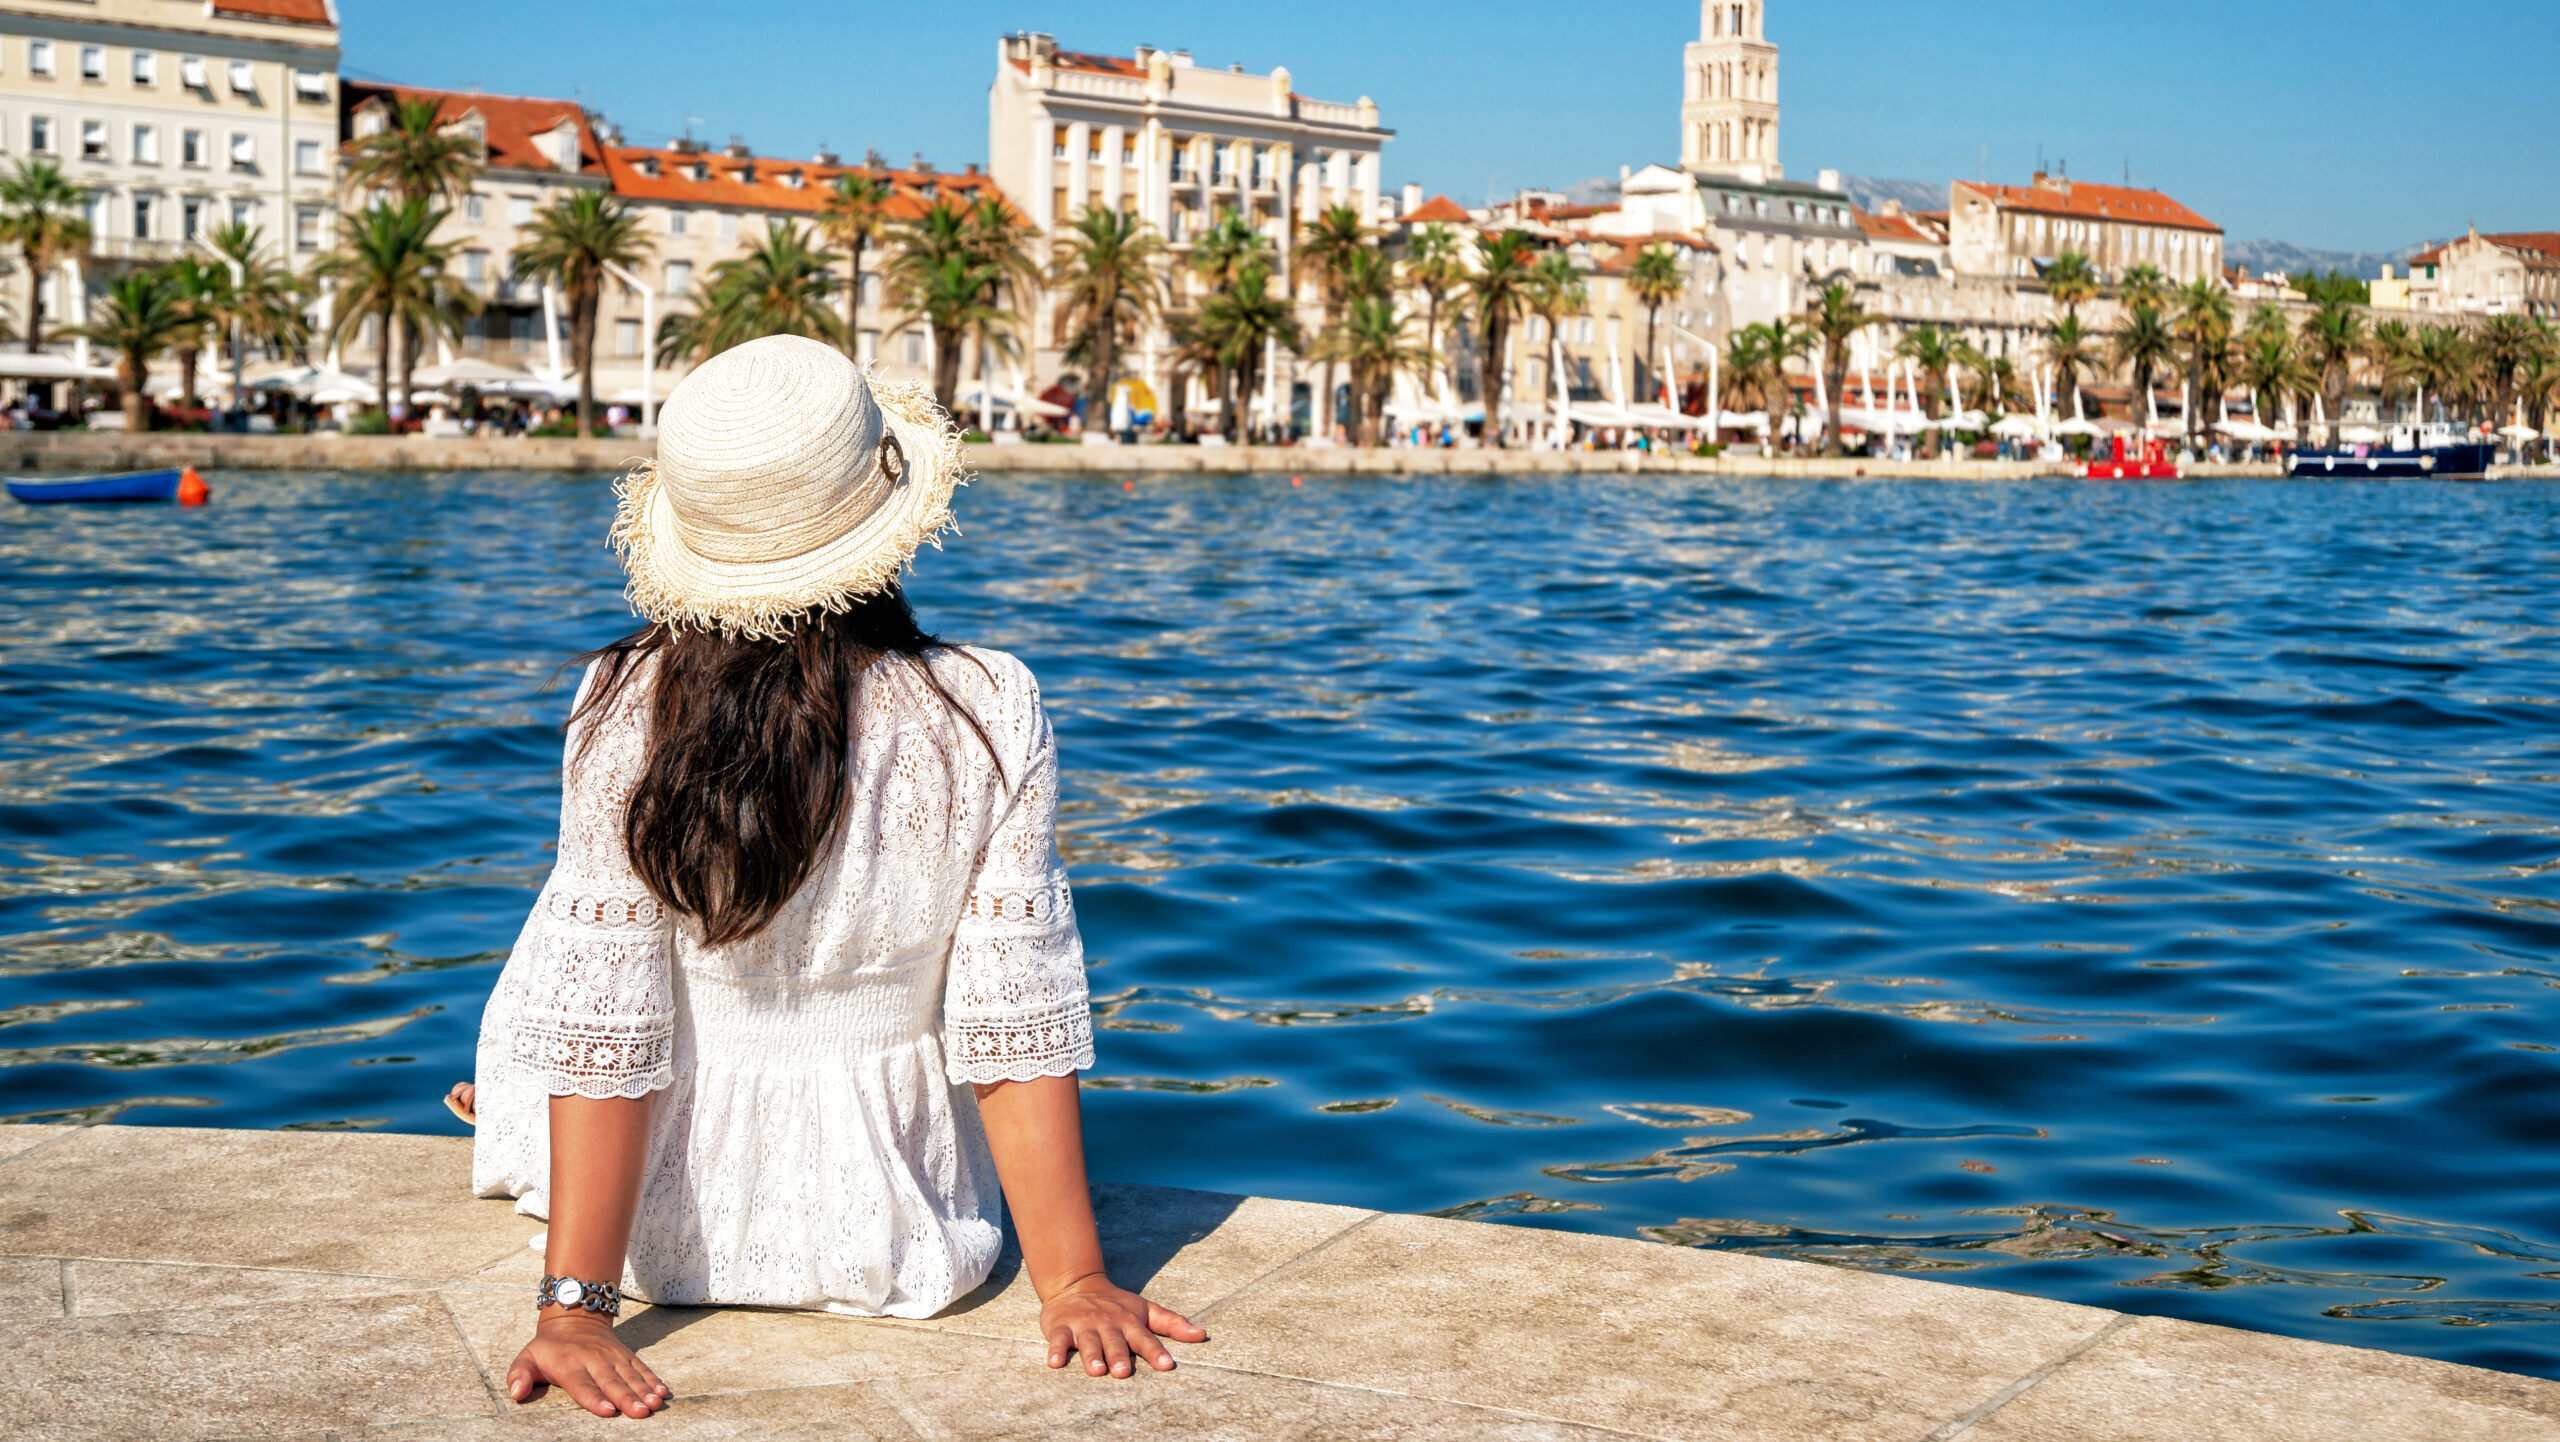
(162, 487)
(2446, 462)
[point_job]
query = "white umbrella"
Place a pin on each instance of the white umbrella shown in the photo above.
(529, 385)
(2521, 433)
(2078, 426)
(468, 371)
(310, 381)
(1013, 400)
(2244, 430)
(46, 366)
(2018, 427)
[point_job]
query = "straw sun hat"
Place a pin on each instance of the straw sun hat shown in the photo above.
(786, 482)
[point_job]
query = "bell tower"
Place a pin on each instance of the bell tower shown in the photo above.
(1729, 116)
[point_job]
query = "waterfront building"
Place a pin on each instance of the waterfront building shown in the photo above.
(2510, 274)
(532, 151)
(175, 116)
(1782, 240)
(1902, 243)
(2018, 230)
(2390, 292)
(1729, 109)
(1175, 143)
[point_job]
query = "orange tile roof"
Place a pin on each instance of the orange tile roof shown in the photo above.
(290, 12)
(2085, 201)
(511, 121)
(1892, 227)
(1440, 210)
(726, 182)
(2544, 245)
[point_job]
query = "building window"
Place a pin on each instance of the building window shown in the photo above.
(244, 78)
(40, 57)
(190, 218)
(191, 71)
(93, 140)
(146, 145)
(913, 348)
(675, 222)
(871, 290)
(146, 67)
(191, 147)
(244, 211)
(93, 62)
(728, 226)
(142, 217)
(866, 347)
(1058, 144)
(244, 150)
(475, 268)
(310, 85)
(471, 208)
(626, 339)
(519, 210)
(92, 208)
(306, 227)
(306, 157)
(679, 277)
(40, 134)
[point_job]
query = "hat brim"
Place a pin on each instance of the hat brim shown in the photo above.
(672, 584)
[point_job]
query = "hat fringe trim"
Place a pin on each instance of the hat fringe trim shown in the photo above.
(771, 616)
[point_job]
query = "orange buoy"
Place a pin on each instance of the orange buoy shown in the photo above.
(192, 491)
(1297, 480)
(1128, 485)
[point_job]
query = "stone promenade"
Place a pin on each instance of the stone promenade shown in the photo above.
(168, 1283)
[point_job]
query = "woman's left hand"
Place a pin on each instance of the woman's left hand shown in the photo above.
(1107, 1324)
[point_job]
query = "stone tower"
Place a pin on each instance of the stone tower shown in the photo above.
(1729, 120)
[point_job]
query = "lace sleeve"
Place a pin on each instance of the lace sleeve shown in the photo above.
(596, 1016)
(1014, 1005)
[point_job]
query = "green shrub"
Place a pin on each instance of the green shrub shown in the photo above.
(561, 429)
(369, 423)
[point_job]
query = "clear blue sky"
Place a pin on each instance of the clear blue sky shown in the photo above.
(2347, 124)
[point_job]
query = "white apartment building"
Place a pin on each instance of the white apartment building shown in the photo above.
(2018, 230)
(177, 115)
(1157, 135)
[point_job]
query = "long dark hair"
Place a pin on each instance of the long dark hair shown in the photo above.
(750, 746)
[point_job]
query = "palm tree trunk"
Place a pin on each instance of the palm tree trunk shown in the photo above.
(946, 367)
(1489, 384)
(582, 339)
(1835, 370)
(187, 376)
(853, 305)
(382, 377)
(35, 301)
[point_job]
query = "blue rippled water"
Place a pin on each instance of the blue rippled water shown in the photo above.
(2141, 895)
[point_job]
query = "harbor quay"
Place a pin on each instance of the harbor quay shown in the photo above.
(164, 1282)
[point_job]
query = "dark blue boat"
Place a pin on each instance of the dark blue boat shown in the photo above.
(140, 486)
(2416, 463)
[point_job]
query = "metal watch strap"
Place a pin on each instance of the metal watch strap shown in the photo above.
(570, 1294)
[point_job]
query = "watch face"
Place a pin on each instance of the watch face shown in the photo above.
(568, 1294)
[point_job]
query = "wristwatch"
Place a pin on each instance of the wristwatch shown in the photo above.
(571, 1295)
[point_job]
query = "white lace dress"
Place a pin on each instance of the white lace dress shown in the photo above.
(816, 1143)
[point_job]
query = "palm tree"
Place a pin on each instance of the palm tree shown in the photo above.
(1228, 249)
(1654, 280)
(2143, 344)
(1933, 352)
(1558, 295)
(1373, 340)
(572, 244)
(414, 158)
(261, 300)
(953, 265)
(1325, 251)
(854, 218)
(783, 285)
(388, 267)
(2142, 285)
(2202, 326)
(2070, 280)
(46, 217)
(1000, 241)
(2508, 344)
(1499, 294)
(2447, 365)
(1995, 381)
(2392, 352)
(196, 285)
(2334, 338)
(1233, 329)
(1835, 316)
(1434, 266)
(2070, 349)
(2272, 368)
(141, 315)
(1106, 267)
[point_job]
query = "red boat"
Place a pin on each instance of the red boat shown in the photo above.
(2152, 465)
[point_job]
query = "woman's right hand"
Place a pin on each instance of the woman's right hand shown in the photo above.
(579, 1354)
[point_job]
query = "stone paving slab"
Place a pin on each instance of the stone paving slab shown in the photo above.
(173, 1283)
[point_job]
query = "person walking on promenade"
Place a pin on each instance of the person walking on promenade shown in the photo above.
(805, 986)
